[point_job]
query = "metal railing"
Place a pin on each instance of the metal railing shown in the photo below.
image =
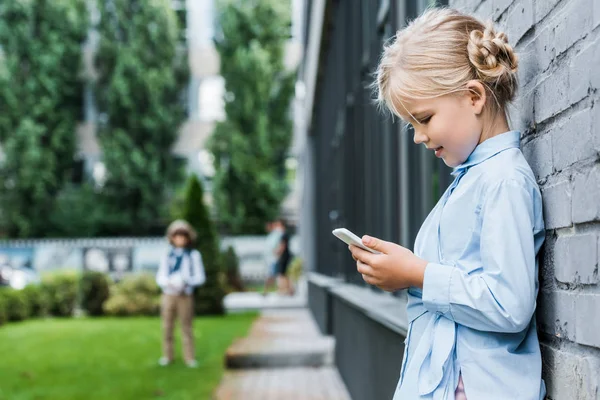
(369, 177)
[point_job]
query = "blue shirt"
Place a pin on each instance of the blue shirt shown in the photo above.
(475, 314)
(180, 271)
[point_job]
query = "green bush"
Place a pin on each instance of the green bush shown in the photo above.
(16, 303)
(61, 289)
(3, 311)
(295, 269)
(39, 301)
(231, 266)
(208, 299)
(254, 140)
(140, 95)
(41, 96)
(94, 292)
(134, 295)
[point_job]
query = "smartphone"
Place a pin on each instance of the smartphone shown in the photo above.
(351, 239)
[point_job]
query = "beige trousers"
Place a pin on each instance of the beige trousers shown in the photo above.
(182, 306)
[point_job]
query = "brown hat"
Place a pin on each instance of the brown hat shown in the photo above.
(181, 226)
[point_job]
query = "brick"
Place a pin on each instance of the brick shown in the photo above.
(572, 23)
(538, 153)
(571, 140)
(536, 56)
(542, 8)
(575, 259)
(528, 65)
(557, 205)
(277, 339)
(552, 95)
(569, 376)
(596, 126)
(464, 5)
(580, 74)
(519, 19)
(521, 112)
(485, 10)
(587, 324)
(595, 77)
(499, 7)
(567, 315)
(586, 196)
(306, 383)
(545, 49)
(556, 313)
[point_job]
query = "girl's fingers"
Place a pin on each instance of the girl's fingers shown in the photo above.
(362, 255)
(364, 269)
(371, 280)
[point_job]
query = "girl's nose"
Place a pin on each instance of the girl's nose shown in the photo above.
(419, 137)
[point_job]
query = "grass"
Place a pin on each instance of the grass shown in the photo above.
(260, 287)
(109, 358)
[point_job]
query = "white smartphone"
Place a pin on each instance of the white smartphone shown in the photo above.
(351, 239)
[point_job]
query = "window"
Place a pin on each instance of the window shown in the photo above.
(211, 106)
(207, 163)
(205, 10)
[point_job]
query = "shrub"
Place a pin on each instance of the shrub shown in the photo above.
(39, 301)
(208, 299)
(94, 292)
(61, 289)
(295, 269)
(231, 265)
(3, 311)
(134, 295)
(17, 306)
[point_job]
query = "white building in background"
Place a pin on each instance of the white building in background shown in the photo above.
(207, 89)
(203, 63)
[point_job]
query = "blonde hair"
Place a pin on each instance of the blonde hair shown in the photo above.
(438, 53)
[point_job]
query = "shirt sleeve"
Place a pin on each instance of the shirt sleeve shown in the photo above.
(499, 296)
(198, 277)
(162, 277)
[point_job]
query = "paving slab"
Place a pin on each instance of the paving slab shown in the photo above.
(302, 383)
(254, 301)
(284, 357)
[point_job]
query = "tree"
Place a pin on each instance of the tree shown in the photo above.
(41, 100)
(209, 297)
(250, 146)
(142, 79)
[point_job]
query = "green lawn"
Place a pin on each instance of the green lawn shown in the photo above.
(260, 287)
(110, 359)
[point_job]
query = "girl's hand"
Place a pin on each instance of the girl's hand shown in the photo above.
(396, 268)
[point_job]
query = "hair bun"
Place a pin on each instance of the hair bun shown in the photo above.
(493, 59)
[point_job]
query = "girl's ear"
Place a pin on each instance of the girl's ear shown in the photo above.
(477, 96)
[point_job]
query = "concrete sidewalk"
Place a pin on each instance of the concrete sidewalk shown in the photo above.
(252, 301)
(283, 358)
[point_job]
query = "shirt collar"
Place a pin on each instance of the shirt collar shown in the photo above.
(176, 250)
(490, 148)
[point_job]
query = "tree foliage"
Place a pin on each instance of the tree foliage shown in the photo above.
(143, 74)
(41, 89)
(208, 297)
(251, 145)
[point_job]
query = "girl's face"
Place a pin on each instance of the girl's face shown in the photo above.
(450, 125)
(180, 240)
